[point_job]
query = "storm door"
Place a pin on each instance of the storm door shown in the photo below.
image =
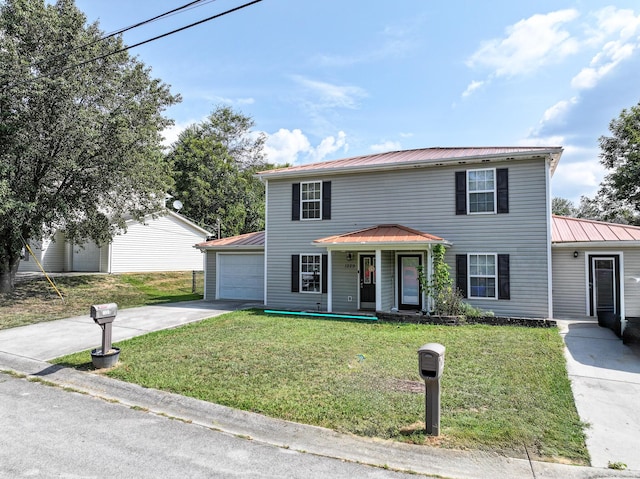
(605, 284)
(409, 295)
(367, 282)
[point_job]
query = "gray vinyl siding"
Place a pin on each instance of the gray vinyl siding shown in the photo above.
(424, 199)
(570, 277)
(388, 278)
(345, 281)
(210, 276)
(569, 284)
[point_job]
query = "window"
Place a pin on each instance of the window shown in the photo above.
(310, 273)
(482, 275)
(482, 191)
(311, 200)
(481, 187)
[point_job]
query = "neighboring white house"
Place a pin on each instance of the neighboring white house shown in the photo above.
(164, 243)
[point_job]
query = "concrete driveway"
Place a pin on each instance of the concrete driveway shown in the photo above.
(52, 339)
(605, 379)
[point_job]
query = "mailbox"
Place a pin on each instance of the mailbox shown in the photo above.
(431, 361)
(104, 313)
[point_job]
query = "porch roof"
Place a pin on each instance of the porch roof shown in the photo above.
(388, 236)
(578, 230)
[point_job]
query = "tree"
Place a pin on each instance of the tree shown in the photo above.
(79, 144)
(214, 165)
(619, 193)
(562, 207)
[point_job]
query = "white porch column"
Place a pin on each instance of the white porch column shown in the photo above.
(378, 280)
(329, 282)
(429, 270)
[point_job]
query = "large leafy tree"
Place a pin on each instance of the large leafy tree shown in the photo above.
(79, 144)
(619, 194)
(214, 164)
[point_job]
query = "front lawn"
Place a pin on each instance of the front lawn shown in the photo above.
(35, 301)
(504, 389)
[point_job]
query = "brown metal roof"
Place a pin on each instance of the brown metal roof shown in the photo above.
(577, 230)
(423, 156)
(381, 234)
(248, 240)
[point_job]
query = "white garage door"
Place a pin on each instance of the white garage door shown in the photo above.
(241, 276)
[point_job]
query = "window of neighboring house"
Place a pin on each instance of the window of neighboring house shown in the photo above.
(311, 200)
(310, 273)
(481, 188)
(483, 275)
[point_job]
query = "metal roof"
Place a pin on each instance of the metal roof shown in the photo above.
(393, 234)
(247, 241)
(419, 157)
(565, 229)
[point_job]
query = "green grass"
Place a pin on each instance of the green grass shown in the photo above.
(34, 300)
(504, 388)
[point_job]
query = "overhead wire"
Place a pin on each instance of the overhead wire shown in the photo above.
(188, 6)
(128, 47)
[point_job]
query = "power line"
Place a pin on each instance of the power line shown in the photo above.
(125, 29)
(101, 57)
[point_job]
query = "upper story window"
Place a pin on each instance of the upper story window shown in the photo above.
(481, 188)
(311, 200)
(482, 191)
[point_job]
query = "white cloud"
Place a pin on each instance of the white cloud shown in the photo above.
(528, 45)
(603, 63)
(573, 179)
(284, 146)
(331, 96)
(473, 86)
(293, 147)
(330, 145)
(386, 146)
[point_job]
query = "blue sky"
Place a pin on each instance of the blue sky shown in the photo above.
(327, 79)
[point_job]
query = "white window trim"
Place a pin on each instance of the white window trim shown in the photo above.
(302, 202)
(494, 191)
(495, 276)
(320, 273)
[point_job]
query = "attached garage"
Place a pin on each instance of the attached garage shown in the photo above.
(240, 276)
(234, 267)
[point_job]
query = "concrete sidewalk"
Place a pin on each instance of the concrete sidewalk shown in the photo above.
(25, 350)
(605, 379)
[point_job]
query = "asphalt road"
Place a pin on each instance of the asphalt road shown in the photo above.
(46, 431)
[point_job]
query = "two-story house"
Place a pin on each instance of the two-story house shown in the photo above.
(350, 234)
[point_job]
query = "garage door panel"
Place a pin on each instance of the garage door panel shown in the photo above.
(241, 276)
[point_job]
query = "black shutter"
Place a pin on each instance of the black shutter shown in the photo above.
(325, 272)
(295, 202)
(295, 273)
(503, 190)
(461, 192)
(503, 277)
(326, 200)
(461, 274)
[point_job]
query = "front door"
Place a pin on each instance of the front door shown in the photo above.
(367, 282)
(605, 294)
(409, 295)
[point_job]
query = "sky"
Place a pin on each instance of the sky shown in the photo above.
(329, 79)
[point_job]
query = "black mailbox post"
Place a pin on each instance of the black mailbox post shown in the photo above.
(430, 367)
(104, 315)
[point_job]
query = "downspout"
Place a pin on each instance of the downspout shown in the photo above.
(329, 282)
(266, 236)
(549, 238)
